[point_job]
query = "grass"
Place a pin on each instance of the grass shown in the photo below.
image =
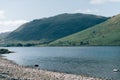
(104, 34)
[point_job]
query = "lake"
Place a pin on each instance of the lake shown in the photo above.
(89, 61)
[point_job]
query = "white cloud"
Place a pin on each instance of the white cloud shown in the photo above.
(102, 1)
(97, 1)
(87, 11)
(10, 25)
(2, 16)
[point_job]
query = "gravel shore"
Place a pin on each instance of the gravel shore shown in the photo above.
(11, 71)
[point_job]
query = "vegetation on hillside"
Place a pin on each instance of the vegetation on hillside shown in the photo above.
(106, 33)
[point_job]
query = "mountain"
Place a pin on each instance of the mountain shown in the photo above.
(106, 33)
(52, 28)
(4, 35)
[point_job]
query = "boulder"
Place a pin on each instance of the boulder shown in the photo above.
(5, 51)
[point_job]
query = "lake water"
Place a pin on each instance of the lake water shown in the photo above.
(89, 61)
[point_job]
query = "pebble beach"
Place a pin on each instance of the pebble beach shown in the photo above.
(12, 71)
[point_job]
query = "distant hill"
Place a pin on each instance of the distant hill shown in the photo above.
(53, 28)
(4, 35)
(106, 33)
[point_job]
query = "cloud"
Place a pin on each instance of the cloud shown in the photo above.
(2, 16)
(10, 25)
(115, 0)
(102, 1)
(86, 11)
(97, 1)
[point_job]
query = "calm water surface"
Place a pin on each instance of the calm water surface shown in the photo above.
(90, 61)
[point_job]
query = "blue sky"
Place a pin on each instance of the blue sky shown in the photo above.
(13, 13)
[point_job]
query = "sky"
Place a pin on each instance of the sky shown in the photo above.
(14, 13)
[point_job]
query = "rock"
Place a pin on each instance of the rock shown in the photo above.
(36, 65)
(4, 51)
(115, 70)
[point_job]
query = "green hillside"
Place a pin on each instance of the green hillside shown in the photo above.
(49, 29)
(106, 33)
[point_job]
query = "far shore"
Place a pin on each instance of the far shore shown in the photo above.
(12, 71)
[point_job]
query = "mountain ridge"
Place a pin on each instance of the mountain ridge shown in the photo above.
(55, 27)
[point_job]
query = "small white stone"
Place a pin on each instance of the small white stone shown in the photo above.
(115, 70)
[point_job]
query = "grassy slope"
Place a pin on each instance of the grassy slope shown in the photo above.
(106, 33)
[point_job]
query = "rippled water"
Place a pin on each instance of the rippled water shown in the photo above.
(90, 61)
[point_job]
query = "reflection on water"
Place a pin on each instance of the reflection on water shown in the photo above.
(90, 61)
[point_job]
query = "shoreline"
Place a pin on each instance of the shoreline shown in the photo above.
(12, 71)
